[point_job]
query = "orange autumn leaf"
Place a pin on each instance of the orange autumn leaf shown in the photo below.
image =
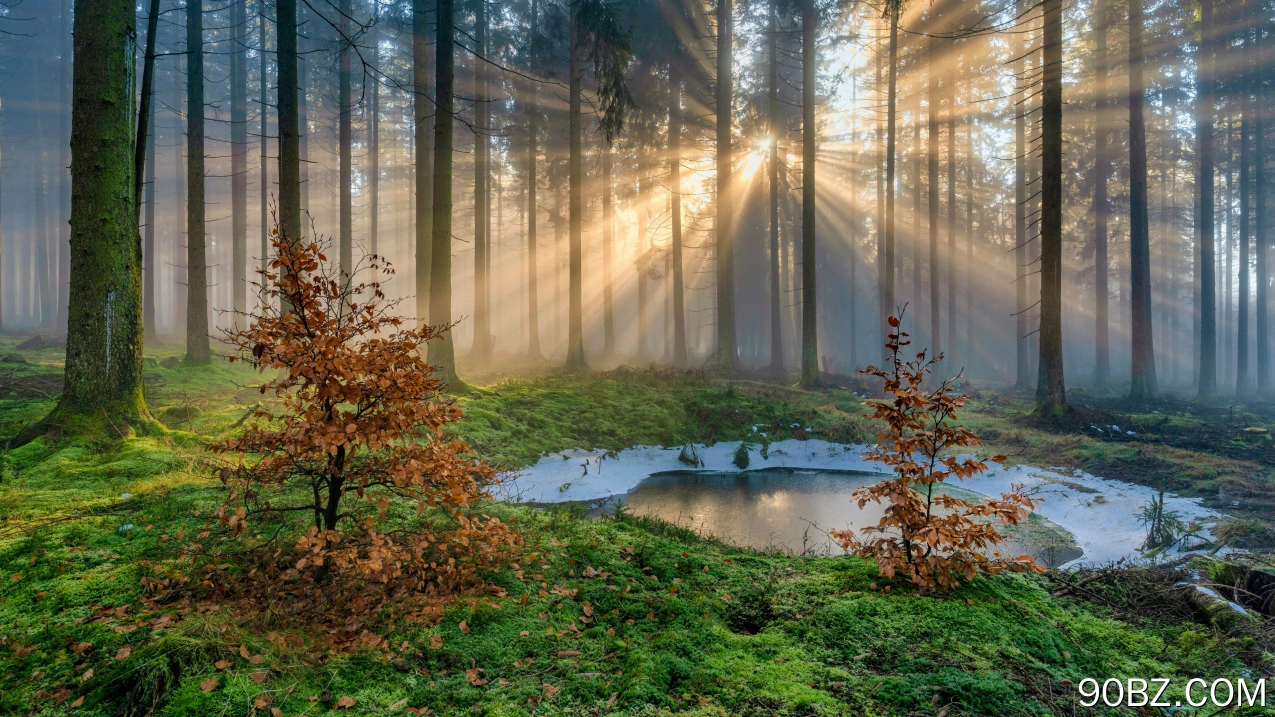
(345, 703)
(209, 685)
(464, 627)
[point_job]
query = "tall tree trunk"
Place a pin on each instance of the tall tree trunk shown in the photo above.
(63, 253)
(102, 385)
(197, 348)
(1051, 391)
(289, 215)
(442, 353)
(422, 110)
(951, 227)
(1022, 360)
(809, 262)
(575, 301)
(968, 346)
(772, 123)
(238, 158)
(932, 192)
(643, 250)
(882, 307)
(44, 268)
(177, 248)
(680, 357)
(725, 252)
(891, 141)
(144, 167)
(1261, 237)
(1143, 383)
(1101, 207)
(149, 259)
(303, 115)
(608, 249)
(345, 136)
(482, 174)
(264, 88)
(374, 136)
(1242, 381)
(533, 113)
(1207, 369)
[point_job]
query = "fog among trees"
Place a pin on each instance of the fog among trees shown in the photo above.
(1064, 196)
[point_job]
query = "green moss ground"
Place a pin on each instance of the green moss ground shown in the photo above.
(743, 633)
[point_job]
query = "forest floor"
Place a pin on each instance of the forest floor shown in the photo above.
(624, 615)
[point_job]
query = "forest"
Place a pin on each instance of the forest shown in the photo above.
(637, 357)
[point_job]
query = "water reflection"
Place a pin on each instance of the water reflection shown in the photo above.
(793, 510)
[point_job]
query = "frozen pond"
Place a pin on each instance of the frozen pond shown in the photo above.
(790, 499)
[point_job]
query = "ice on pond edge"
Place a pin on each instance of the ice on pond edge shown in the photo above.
(1100, 513)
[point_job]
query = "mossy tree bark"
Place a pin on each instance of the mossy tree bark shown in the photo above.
(1051, 391)
(198, 352)
(103, 381)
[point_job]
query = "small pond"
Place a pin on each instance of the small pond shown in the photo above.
(793, 510)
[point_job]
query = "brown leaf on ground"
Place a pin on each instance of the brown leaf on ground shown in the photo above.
(78, 701)
(261, 702)
(257, 677)
(124, 652)
(549, 690)
(435, 642)
(209, 684)
(464, 627)
(344, 703)
(472, 675)
(222, 664)
(243, 652)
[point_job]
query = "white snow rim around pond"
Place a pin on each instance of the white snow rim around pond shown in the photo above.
(1101, 514)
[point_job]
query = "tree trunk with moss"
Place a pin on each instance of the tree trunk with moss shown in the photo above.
(102, 390)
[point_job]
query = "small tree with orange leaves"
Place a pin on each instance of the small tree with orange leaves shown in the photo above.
(934, 538)
(360, 424)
